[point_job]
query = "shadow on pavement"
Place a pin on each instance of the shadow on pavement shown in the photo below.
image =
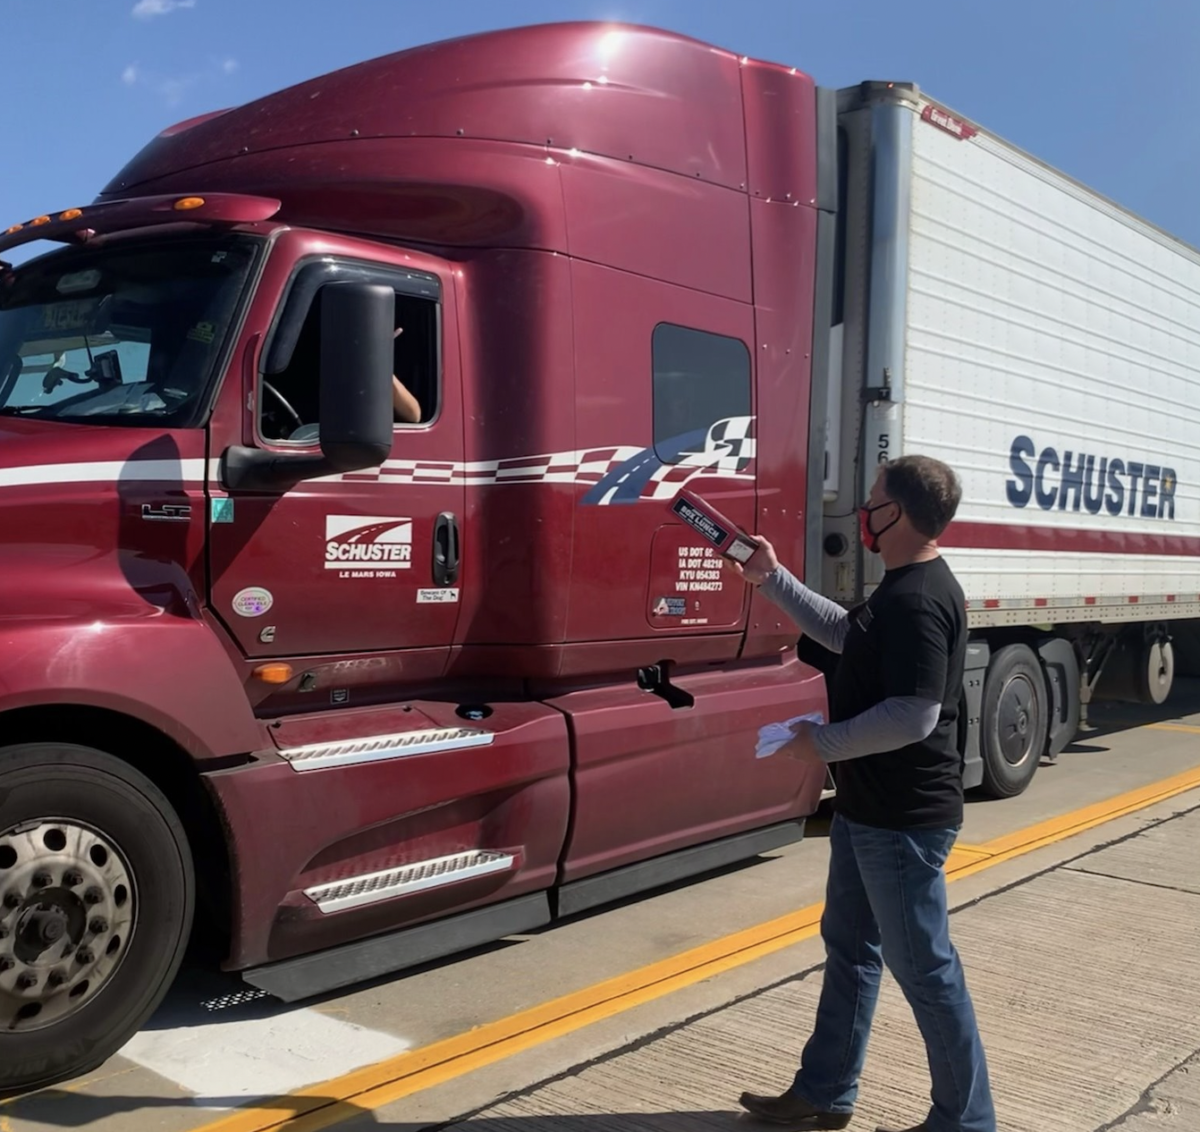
(58, 1108)
(694, 1121)
(1108, 717)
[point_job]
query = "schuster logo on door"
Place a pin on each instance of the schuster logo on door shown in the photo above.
(362, 545)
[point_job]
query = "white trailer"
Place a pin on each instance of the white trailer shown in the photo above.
(994, 313)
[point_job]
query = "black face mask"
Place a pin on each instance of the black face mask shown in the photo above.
(871, 538)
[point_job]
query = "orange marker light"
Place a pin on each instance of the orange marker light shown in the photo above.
(186, 204)
(273, 673)
(72, 214)
(14, 229)
(39, 221)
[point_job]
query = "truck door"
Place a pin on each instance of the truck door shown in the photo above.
(668, 401)
(665, 403)
(360, 562)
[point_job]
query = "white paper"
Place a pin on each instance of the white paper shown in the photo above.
(775, 735)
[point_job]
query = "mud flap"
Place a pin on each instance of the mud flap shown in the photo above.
(1061, 667)
(979, 655)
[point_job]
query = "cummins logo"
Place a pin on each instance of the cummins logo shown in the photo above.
(367, 545)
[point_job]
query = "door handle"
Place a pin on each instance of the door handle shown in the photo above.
(445, 549)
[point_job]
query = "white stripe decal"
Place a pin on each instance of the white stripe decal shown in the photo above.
(114, 471)
(192, 473)
(728, 453)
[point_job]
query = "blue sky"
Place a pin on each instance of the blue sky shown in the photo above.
(1103, 89)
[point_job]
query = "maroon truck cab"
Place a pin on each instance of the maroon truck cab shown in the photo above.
(368, 692)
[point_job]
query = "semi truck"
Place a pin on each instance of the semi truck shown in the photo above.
(352, 694)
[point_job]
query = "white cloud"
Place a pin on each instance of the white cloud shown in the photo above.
(173, 90)
(148, 9)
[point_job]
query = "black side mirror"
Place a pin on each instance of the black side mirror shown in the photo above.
(355, 400)
(356, 374)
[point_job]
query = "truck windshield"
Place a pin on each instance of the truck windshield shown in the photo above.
(127, 335)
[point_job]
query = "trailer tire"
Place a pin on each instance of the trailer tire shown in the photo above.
(1155, 672)
(96, 905)
(1015, 721)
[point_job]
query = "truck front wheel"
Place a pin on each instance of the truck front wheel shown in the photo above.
(1015, 718)
(96, 900)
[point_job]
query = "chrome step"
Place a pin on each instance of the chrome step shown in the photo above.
(373, 887)
(381, 748)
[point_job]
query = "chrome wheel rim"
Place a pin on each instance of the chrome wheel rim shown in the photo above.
(68, 912)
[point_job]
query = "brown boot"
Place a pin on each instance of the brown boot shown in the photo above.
(794, 1112)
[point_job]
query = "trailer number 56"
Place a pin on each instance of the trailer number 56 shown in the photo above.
(881, 454)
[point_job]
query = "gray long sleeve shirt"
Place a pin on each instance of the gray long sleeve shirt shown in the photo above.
(888, 726)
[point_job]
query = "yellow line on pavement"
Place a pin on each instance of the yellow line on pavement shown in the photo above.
(371, 1088)
(971, 852)
(1184, 727)
(1078, 821)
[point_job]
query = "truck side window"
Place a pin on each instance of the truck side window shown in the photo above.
(290, 399)
(289, 402)
(416, 355)
(700, 379)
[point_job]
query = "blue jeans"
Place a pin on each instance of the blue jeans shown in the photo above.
(886, 902)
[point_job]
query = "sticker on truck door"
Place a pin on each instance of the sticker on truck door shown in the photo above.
(253, 601)
(437, 597)
(364, 546)
(688, 587)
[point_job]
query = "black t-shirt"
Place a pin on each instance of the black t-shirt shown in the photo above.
(908, 639)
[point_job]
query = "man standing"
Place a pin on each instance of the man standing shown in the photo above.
(893, 740)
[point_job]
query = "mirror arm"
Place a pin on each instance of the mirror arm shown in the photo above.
(252, 469)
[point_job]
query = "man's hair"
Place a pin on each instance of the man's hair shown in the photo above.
(927, 489)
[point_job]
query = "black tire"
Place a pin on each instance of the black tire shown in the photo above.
(1014, 721)
(86, 790)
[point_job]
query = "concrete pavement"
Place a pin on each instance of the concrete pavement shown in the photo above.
(1084, 974)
